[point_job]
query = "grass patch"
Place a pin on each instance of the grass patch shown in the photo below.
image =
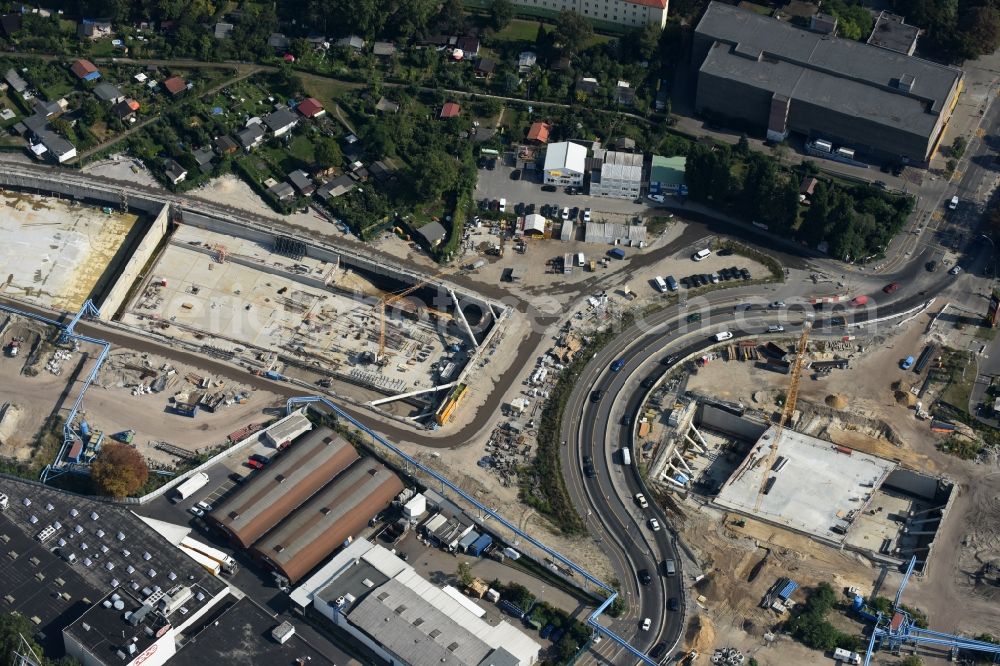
(519, 30)
(327, 91)
(961, 372)
(966, 449)
(986, 333)
(657, 225)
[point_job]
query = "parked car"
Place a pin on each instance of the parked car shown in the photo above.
(931, 266)
(196, 511)
(586, 215)
(254, 464)
(657, 198)
(955, 270)
(546, 630)
(565, 213)
(548, 188)
(515, 174)
(204, 506)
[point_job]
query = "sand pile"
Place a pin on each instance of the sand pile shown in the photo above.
(700, 635)
(837, 401)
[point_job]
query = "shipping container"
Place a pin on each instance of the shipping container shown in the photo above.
(191, 485)
(616, 253)
(479, 545)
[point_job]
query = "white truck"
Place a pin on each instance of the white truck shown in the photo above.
(846, 656)
(192, 485)
(626, 456)
(227, 563)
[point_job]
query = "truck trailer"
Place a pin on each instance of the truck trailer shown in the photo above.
(227, 563)
(192, 485)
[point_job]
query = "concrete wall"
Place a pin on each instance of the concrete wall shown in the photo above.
(133, 268)
(722, 421)
(52, 185)
(915, 483)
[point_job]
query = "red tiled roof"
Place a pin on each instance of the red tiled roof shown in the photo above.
(655, 4)
(450, 110)
(174, 85)
(539, 132)
(132, 104)
(82, 68)
(309, 107)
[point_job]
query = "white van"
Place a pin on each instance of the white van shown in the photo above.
(661, 284)
(723, 335)
(953, 204)
(701, 254)
(503, 205)
(580, 259)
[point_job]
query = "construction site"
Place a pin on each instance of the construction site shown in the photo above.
(56, 252)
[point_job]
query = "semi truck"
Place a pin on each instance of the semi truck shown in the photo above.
(208, 563)
(192, 485)
(227, 563)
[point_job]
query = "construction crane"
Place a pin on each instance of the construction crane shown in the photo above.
(394, 297)
(786, 411)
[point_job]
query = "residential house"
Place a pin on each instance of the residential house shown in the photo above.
(485, 68)
(384, 49)
(561, 64)
(223, 30)
(175, 85)
(94, 29)
(624, 144)
(624, 93)
(250, 137)
(808, 186)
(468, 45)
(318, 42)
(337, 187)
(125, 109)
(280, 122)
(278, 42)
(381, 170)
(282, 191)
(225, 145)
(587, 85)
(84, 70)
(432, 233)
(59, 148)
(450, 110)
(49, 109)
(15, 81)
(539, 132)
(565, 164)
(353, 42)
(204, 157)
(9, 24)
(310, 108)
(825, 24)
(108, 93)
(175, 172)
(617, 175)
(302, 182)
(386, 106)
(525, 61)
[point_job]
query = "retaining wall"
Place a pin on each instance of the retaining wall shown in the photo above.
(133, 268)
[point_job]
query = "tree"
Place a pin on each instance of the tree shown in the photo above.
(14, 627)
(501, 14)
(912, 660)
(432, 175)
(464, 574)
(327, 153)
(958, 147)
(742, 146)
(119, 470)
(572, 30)
(853, 20)
(647, 41)
(452, 16)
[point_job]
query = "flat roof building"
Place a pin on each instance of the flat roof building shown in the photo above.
(757, 72)
(335, 514)
(892, 32)
(617, 175)
(628, 13)
(286, 483)
(383, 603)
(565, 164)
(666, 174)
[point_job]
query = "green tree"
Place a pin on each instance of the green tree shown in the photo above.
(452, 16)
(327, 153)
(433, 175)
(854, 21)
(647, 41)
(14, 627)
(912, 660)
(572, 31)
(958, 147)
(501, 14)
(784, 214)
(119, 470)
(465, 574)
(742, 146)
(759, 186)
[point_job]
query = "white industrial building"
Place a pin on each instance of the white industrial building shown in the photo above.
(617, 175)
(405, 619)
(565, 164)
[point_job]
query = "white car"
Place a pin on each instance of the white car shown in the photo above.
(565, 213)
(777, 305)
(658, 198)
(646, 624)
(654, 524)
(953, 204)
(775, 328)
(196, 511)
(204, 506)
(586, 215)
(640, 499)
(503, 205)
(955, 270)
(723, 335)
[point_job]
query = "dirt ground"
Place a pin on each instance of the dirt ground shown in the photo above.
(962, 588)
(122, 167)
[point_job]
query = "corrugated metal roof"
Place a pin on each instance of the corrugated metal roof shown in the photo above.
(610, 232)
(566, 156)
(337, 512)
(292, 478)
(288, 428)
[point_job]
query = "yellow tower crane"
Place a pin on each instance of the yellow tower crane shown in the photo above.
(391, 298)
(786, 411)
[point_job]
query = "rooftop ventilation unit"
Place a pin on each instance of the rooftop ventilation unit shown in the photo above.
(905, 82)
(121, 536)
(49, 507)
(100, 534)
(33, 519)
(93, 515)
(26, 501)
(73, 512)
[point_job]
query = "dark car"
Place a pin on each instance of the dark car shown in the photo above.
(724, 252)
(627, 420)
(546, 630)
(658, 651)
(548, 188)
(519, 209)
(648, 382)
(693, 317)
(726, 274)
(673, 605)
(891, 287)
(491, 165)
(669, 360)
(263, 460)
(530, 209)
(685, 283)
(595, 396)
(745, 274)
(515, 174)
(931, 266)
(588, 467)
(644, 577)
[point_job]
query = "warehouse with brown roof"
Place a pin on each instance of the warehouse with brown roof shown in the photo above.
(338, 512)
(291, 478)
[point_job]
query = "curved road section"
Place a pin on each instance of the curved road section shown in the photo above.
(597, 424)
